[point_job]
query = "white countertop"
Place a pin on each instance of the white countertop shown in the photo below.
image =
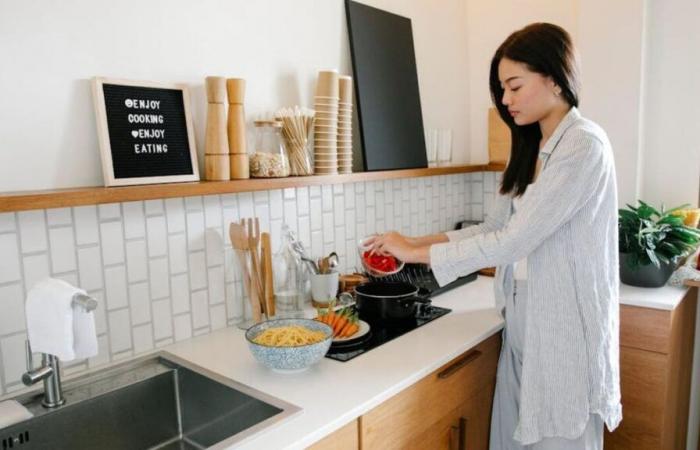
(665, 297)
(333, 393)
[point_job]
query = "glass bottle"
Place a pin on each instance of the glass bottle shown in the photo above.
(290, 280)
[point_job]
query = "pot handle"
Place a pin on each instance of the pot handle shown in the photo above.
(422, 297)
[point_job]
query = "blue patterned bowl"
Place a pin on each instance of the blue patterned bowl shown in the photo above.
(289, 359)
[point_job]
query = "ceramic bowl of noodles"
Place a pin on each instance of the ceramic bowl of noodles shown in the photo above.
(289, 345)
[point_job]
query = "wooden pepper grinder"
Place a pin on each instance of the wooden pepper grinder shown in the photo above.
(216, 153)
(236, 129)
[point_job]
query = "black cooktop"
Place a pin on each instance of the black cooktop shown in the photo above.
(382, 331)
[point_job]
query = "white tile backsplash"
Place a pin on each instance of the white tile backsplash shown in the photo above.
(157, 236)
(134, 223)
(86, 230)
(163, 270)
(143, 338)
(139, 303)
(115, 287)
(57, 217)
(36, 268)
(7, 222)
(62, 249)
(136, 261)
(90, 268)
(195, 230)
(159, 277)
(13, 356)
(183, 327)
(200, 309)
(32, 230)
(181, 293)
(178, 253)
(9, 262)
(162, 319)
(119, 331)
(175, 213)
(12, 306)
(112, 242)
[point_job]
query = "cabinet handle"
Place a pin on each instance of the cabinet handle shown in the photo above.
(455, 436)
(462, 433)
(451, 370)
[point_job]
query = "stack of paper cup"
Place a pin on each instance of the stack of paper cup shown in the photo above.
(326, 123)
(345, 124)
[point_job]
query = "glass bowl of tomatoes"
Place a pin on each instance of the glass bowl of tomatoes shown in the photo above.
(375, 264)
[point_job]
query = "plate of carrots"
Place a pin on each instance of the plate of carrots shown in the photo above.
(345, 322)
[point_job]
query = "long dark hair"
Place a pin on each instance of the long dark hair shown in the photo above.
(546, 49)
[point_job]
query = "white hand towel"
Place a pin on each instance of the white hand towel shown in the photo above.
(11, 412)
(57, 327)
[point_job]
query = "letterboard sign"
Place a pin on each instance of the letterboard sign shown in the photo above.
(145, 132)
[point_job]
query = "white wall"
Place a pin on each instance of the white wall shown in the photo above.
(488, 25)
(611, 48)
(671, 155)
(49, 51)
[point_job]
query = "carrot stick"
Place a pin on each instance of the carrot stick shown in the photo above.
(350, 330)
(341, 322)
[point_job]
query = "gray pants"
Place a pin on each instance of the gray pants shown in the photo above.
(506, 401)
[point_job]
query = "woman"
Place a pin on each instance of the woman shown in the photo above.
(553, 236)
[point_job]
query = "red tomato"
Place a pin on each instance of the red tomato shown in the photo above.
(384, 263)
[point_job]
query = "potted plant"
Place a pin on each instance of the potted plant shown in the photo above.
(652, 243)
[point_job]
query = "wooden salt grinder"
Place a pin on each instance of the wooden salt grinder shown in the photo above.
(216, 152)
(236, 129)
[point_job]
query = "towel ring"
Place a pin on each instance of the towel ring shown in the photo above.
(84, 301)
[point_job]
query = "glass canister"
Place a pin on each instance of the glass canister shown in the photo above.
(269, 159)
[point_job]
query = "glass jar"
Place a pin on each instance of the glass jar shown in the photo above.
(269, 159)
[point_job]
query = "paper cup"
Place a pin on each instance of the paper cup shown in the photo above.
(327, 83)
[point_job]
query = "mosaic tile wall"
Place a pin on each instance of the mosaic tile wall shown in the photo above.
(164, 271)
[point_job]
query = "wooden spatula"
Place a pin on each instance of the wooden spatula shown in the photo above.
(254, 246)
(239, 240)
(266, 249)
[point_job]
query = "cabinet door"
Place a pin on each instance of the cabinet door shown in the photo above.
(642, 380)
(346, 438)
(464, 428)
(427, 411)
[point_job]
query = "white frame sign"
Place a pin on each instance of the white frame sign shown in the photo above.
(145, 134)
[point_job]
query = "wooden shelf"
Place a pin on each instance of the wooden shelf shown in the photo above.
(60, 198)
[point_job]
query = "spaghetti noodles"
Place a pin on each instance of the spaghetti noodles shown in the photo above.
(289, 336)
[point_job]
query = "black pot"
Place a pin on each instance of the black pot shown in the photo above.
(388, 300)
(645, 276)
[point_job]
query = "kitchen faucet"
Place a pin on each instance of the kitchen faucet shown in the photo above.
(49, 371)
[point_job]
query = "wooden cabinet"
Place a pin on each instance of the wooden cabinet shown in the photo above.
(346, 438)
(656, 350)
(448, 409)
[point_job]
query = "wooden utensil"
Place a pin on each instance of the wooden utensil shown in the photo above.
(254, 245)
(266, 248)
(239, 240)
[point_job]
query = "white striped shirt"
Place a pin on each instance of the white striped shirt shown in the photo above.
(566, 226)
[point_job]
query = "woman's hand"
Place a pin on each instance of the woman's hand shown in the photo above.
(399, 246)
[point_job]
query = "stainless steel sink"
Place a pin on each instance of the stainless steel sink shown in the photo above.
(158, 402)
